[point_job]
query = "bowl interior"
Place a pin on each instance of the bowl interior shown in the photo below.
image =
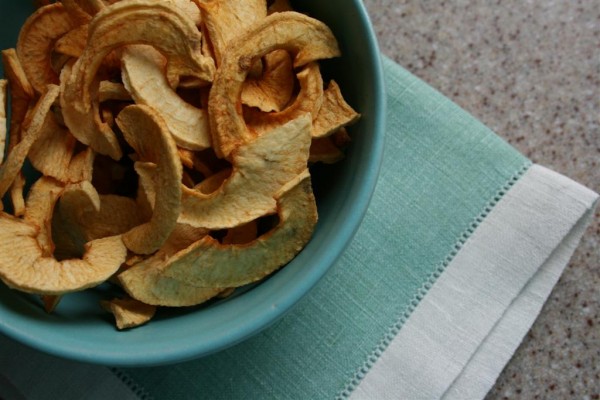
(80, 330)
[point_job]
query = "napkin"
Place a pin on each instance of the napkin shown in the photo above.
(460, 247)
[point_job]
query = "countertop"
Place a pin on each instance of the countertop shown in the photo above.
(530, 70)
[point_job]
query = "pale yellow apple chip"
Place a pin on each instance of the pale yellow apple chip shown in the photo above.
(306, 39)
(89, 216)
(144, 77)
(150, 138)
(24, 267)
(128, 312)
(309, 100)
(36, 42)
(144, 281)
(226, 19)
(334, 114)
(273, 89)
(124, 23)
(14, 161)
(3, 104)
(249, 192)
(208, 263)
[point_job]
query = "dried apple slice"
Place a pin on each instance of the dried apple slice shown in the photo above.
(226, 19)
(73, 42)
(24, 267)
(125, 23)
(148, 135)
(144, 281)
(14, 161)
(144, 77)
(309, 100)
(208, 264)
(273, 90)
(39, 210)
(52, 152)
(129, 313)
(91, 216)
(307, 40)
(260, 169)
(113, 91)
(3, 104)
(334, 114)
(36, 42)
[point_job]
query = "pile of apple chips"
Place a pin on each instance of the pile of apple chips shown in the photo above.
(172, 140)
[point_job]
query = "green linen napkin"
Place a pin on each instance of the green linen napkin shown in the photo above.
(442, 170)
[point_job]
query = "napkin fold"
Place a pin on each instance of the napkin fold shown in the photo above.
(460, 247)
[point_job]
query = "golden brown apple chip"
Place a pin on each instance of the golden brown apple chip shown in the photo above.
(271, 91)
(14, 161)
(309, 100)
(73, 42)
(334, 114)
(36, 42)
(227, 19)
(305, 38)
(128, 312)
(52, 152)
(3, 104)
(147, 134)
(24, 267)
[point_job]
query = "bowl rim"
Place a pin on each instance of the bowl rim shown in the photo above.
(262, 317)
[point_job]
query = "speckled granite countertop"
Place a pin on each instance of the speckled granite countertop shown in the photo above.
(530, 70)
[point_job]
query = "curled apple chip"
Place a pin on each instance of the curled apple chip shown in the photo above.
(227, 19)
(36, 42)
(144, 77)
(125, 23)
(14, 161)
(147, 134)
(3, 104)
(273, 89)
(308, 100)
(73, 42)
(334, 114)
(40, 204)
(24, 266)
(145, 281)
(305, 38)
(208, 263)
(52, 152)
(128, 312)
(248, 193)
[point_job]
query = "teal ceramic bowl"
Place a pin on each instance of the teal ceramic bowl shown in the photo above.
(80, 330)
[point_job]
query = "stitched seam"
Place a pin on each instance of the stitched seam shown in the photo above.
(135, 387)
(428, 284)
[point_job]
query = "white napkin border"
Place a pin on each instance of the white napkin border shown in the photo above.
(465, 329)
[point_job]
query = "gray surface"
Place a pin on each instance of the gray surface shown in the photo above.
(530, 70)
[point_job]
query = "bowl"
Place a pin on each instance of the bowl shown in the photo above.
(80, 330)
